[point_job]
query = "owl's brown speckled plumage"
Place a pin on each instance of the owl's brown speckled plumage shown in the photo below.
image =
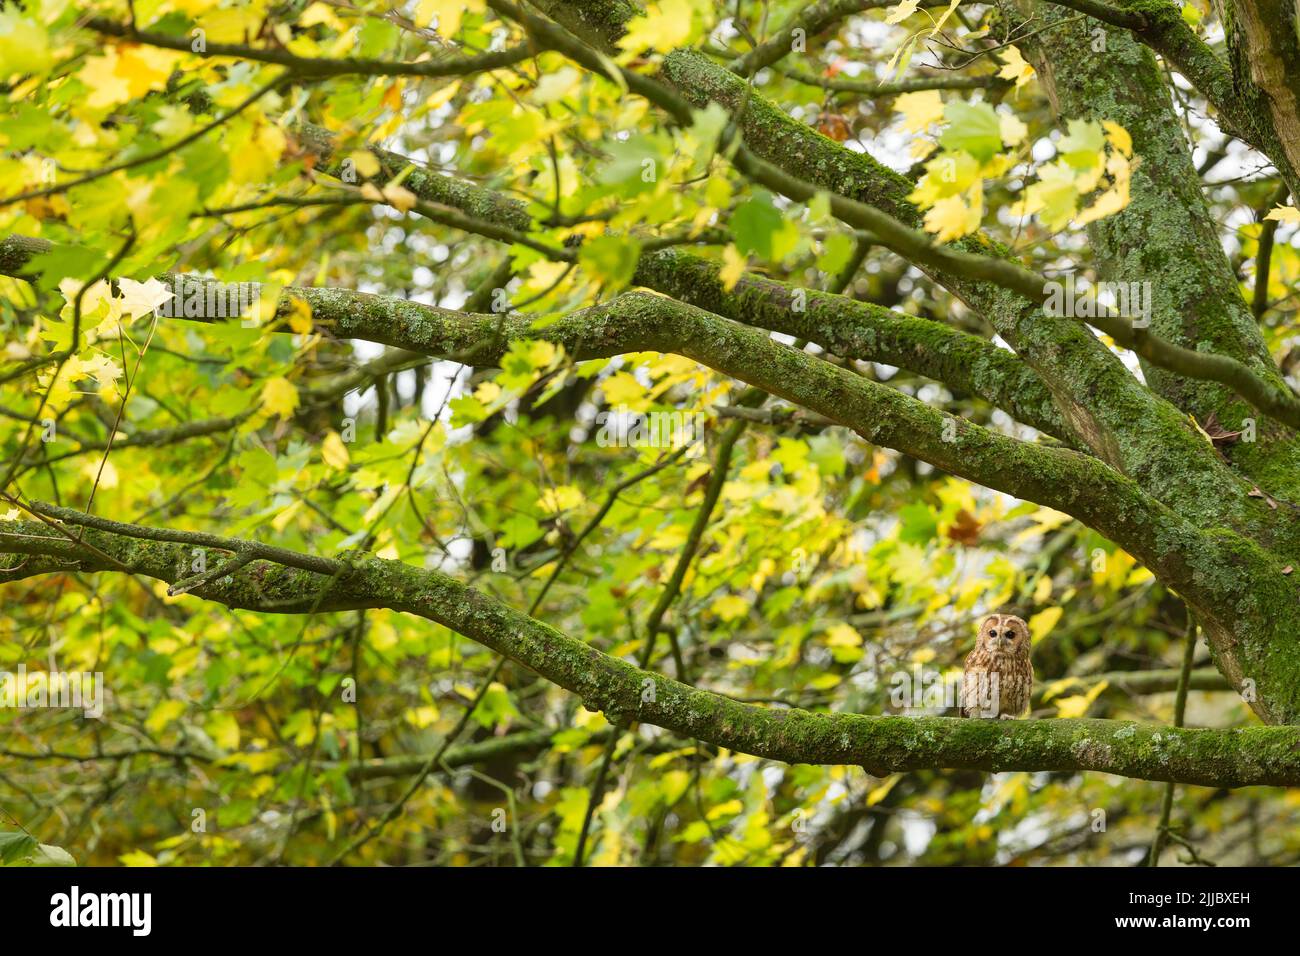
(998, 677)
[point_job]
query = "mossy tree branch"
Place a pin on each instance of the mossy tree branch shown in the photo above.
(1246, 111)
(1166, 233)
(861, 330)
(882, 745)
(1142, 434)
(1227, 575)
(1135, 430)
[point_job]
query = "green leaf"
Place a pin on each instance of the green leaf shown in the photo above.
(636, 164)
(15, 847)
(826, 452)
(1083, 145)
(519, 531)
(837, 251)
(753, 224)
(47, 855)
(613, 259)
(973, 128)
(918, 524)
(760, 228)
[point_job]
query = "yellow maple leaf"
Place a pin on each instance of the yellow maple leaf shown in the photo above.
(279, 397)
(842, 635)
(560, 498)
(919, 110)
(1014, 67)
(1041, 624)
(141, 298)
(60, 389)
(450, 13)
(1118, 137)
(665, 25)
(101, 368)
(101, 471)
(300, 316)
(901, 12)
(952, 5)
(729, 607)
(400, 198)
(1077, 705)
(1013, 131)
(365, 163)
(223, 728)
(1114, 199)
(137, 858)
(1107, 204)
(260, 153)
(320, 13)
(622, 388)
(952, 217)
(283, 519)
(921, 147)
(144, 67)
(96, 295)
(946, 175)
(334, 452)
(882, 791)
(231, 24)
(1285, 214)
(733, 267)
(100, 76)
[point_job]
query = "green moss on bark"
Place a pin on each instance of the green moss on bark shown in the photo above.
(1218, 758)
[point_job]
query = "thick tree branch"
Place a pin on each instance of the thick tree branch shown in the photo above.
(1243, 113)
(1232, 606)
(863, 331)
(917, 246)
(1059, 478)
(1145, 436)
(852, 329)
(473, 200)
(883, 745)
(1148, 439)
(1203, 334)
(970, 271)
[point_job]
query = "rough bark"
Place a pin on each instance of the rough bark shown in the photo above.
(882, 745)
(1166, 236)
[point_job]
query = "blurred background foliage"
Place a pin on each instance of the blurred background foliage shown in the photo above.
(828, 568)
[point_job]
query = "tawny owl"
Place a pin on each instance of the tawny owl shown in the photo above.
(998, 676)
